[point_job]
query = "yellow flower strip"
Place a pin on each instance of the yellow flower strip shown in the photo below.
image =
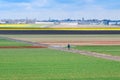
(75, 29)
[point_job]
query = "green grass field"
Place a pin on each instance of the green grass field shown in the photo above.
(113, 50)
(5, 42)
(46, 64)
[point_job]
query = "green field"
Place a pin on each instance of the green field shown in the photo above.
(5, 42)
(46, 64)
(113, 50)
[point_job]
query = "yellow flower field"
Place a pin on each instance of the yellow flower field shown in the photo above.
(38, 27)
(14, 25)
(116, 29)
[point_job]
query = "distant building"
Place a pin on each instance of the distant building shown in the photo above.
(69, 23)
(114, 22)
(57, 23)
(61, 22)
(39, 22)
(106, 22)
(2, 22)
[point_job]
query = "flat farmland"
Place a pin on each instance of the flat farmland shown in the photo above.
(47, 64)
(50, 64)
(12, 26)
(63, 40)
(6, 42)
(67, 27)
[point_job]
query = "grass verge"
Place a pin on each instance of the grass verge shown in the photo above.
(5, 42)
(113, 50)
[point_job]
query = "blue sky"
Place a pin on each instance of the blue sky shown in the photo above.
(60, 9)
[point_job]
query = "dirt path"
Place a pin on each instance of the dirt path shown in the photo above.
(87, 53)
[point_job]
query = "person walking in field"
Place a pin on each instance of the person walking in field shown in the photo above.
(68, 46)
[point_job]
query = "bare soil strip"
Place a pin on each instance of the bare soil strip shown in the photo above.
(84, 43)
(94, 54)
(74, 40)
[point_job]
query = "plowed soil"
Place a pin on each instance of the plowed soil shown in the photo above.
(84, 43)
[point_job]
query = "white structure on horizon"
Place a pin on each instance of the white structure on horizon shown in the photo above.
(68, 23)
(44, 22)
(2, 22)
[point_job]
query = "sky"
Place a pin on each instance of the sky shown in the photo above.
(60, 9)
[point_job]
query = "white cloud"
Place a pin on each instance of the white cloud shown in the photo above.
(35, 9)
